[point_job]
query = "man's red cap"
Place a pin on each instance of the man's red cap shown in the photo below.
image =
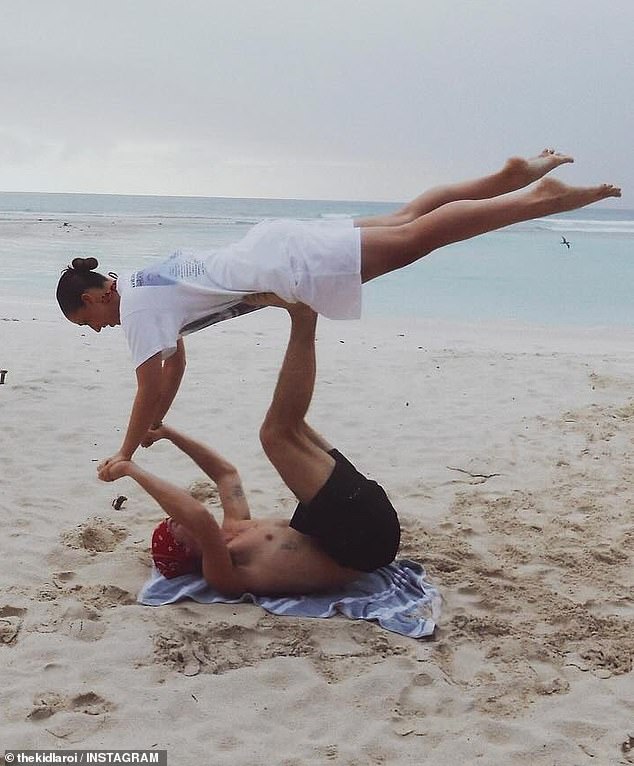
(171, 558)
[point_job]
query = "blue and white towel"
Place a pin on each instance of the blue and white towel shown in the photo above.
(398, 597)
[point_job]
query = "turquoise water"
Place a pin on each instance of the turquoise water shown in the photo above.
(522, 273)
(525, 275)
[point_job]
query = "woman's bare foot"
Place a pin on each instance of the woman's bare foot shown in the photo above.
(558, 197)
(521, 172)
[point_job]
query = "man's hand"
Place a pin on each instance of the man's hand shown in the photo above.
(113, 471)
(271, 299)
(154, 434)
(113, 459)
(105, 468)
(266, 299)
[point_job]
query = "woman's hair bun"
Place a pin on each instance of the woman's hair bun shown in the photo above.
(84, 264)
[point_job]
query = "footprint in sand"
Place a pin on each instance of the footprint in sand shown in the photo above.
(53, 590)
(46, 705)
(221, 648)
(627, 748)
(10, 624)
(83, 622)
(50, 703)
(608, 658)
(90, 704)
(101, 597)
(59, 578)
(78, 621)
(74, 717)
(81, 618)
(425, 697)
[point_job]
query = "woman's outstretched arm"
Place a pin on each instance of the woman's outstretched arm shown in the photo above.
(171, 377)
(220, 470)
(144, 409)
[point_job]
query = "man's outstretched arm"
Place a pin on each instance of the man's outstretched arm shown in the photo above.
(221, 471)
(217, 565)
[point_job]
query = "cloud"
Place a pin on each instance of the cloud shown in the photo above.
(341, 98)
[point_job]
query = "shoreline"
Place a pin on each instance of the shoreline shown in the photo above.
(497, 334)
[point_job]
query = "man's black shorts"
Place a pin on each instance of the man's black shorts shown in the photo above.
(352, 519)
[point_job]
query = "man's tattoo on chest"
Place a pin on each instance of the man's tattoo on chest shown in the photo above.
(289, 546)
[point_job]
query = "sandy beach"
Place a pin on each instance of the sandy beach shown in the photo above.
(507, 451)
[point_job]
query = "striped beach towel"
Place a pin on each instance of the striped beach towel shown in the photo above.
(397, 596)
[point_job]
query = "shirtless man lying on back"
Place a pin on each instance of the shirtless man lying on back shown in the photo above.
(344, 524)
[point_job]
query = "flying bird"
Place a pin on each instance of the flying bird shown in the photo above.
(565, 242)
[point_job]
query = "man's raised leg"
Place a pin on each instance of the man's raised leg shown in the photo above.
(289, 443)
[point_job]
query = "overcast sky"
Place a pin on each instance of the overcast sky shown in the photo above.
(326, 99)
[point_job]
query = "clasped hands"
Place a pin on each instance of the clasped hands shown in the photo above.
(118, 465)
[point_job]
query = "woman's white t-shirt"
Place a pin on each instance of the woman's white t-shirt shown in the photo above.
(317, 263)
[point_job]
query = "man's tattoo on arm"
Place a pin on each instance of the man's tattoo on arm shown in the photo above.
(237, 492)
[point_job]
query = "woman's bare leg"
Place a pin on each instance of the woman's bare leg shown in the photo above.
(516, 174)
(386, 248)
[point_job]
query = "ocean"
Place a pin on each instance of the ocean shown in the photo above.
(522, 273)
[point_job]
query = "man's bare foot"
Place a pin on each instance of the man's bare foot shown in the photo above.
(557, 197)
(521, 172)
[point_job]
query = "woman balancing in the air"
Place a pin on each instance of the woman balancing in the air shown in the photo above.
(320, 264)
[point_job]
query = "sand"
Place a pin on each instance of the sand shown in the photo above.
(506, 449)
